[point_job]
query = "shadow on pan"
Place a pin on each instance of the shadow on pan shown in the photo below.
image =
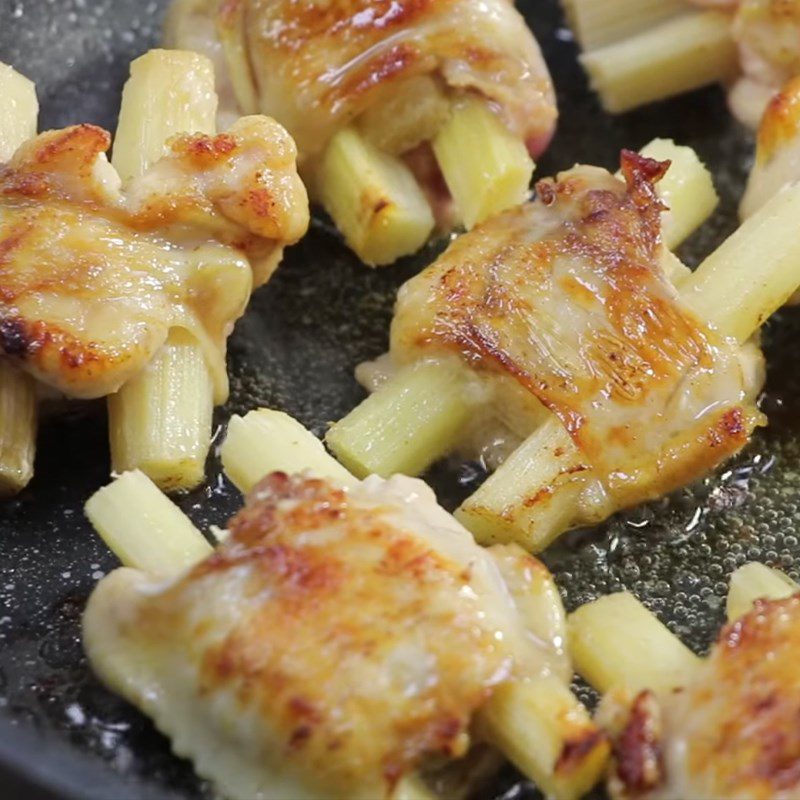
(60, 731)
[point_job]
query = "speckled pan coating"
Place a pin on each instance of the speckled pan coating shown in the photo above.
(296, 349)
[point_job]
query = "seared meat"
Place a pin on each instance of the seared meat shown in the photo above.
(566, 298)
(733, 733)
(92, 278)
(316, 67)
(334, 641)
(777, 161)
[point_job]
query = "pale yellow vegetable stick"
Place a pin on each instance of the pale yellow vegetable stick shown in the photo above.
(487, 169)
(18, 422)
(535, 724)
(264, 441)
(752, 273)
(684, 53)
(373, 198)
(687, 189)
(600, 22)
(144, 528)
(168, 92)
(616, 642)
(753, 582)
(531, 497)
(19, 110)
(409, 422)
(160, 421)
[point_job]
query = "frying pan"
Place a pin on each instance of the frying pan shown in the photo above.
(61, 734)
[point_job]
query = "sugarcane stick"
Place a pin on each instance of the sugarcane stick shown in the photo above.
(373, 198)
(681, 54)
(596, 23)
(144, 528)
(407, 424)
(616, 642)
(487, 169)
(18, 405)
(160, 421)
(687, 190)
(753, 582)
(265, 441)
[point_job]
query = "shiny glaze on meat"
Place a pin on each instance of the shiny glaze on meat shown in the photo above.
(733, 733)
(566, 297)
(92, 278)
(317, 66)
(335, 640)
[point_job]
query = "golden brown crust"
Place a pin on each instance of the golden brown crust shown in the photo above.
(73, 249)
(734, 732)
(353, 642)
(780, 125)
(566, 296)
(318, 66)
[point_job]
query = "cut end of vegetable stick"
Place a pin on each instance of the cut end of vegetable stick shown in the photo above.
(687, 189)
(169, 92)
(18, 422)
(160, 420)
(20, 110)
(752, 273)
(415, 418)
(753, 582)
(265, 441)
(616, 642)
(487, 169)
(537, 725)
(532, 496)
(144, 528)
(374, 199)
(679, 55)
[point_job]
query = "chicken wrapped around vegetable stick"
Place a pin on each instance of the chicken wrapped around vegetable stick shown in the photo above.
(125, 280)
(406, 114)
(555, 325)
(388, 632)
(724, 726)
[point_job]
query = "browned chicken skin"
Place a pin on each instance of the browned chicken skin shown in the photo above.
(733, 733)
(92, 278)
(337, 640)
(777, 162)
(566, 297)
(317, 67)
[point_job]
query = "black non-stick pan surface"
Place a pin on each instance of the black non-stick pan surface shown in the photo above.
(295, 349)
